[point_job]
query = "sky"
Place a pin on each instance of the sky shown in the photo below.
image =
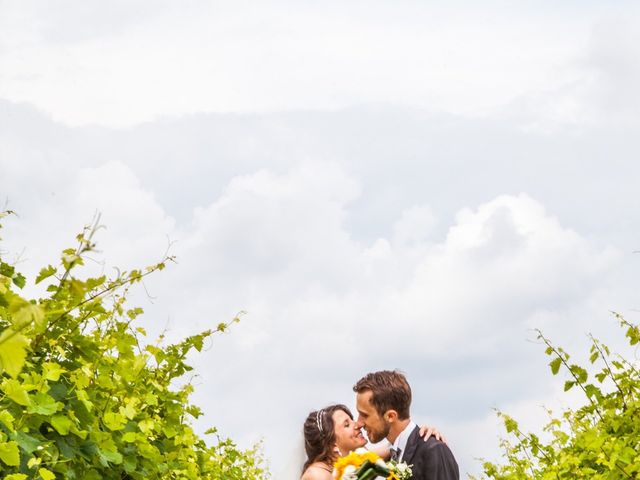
(377, 185)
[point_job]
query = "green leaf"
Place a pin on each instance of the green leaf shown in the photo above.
(129, 409)
(169, 431)
(52, 371)
(129, 463)
(580, 373)
(510, 424)
(568, 385)
(46, 272)
(84, 398)
(7, 270)
(592, 391)
(27, 443)
(43, 404)
(113, 457)
(555, 365)
(10, 454)
(633, 334)
(146, 426)
(16, 392)
(58, 391)
(92, 475)
(19, 280)
(13, 351)
(46, 474)
(29, 313)
(61, 423)
(95, 282)
(6, 419)
(114, 421)
(197, 342)
(70, 258)
(66, 447)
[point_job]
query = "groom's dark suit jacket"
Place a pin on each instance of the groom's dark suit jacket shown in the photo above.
(431, 460)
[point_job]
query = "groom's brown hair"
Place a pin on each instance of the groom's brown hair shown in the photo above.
(390, 391)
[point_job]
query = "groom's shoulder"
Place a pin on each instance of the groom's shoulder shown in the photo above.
(433, 450)
(434, 459)
(432, 444)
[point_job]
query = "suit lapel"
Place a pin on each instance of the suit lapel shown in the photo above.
(412, 446)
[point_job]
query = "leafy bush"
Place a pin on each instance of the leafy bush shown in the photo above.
(600, 440)
(82, 397)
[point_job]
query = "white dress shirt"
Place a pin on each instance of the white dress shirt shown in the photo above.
(401, 441)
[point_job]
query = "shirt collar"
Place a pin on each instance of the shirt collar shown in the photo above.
(401, 441)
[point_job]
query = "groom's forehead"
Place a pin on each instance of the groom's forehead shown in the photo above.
(364, 397)
(366, 394)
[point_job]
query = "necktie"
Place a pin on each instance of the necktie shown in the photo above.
(395, 454)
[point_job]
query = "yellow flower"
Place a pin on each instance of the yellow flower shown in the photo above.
(355, 459)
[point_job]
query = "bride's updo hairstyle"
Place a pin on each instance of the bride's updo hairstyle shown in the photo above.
(319, 435)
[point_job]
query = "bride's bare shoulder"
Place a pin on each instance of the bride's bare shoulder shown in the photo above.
(317, 471)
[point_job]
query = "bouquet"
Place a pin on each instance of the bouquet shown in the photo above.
(365, 465)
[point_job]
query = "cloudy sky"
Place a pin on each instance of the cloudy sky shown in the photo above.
(378, 184)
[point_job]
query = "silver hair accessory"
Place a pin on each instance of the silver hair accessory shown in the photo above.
(319, 419)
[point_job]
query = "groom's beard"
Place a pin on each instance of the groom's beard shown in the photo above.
(378, 436)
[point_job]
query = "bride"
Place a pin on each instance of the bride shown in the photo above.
(331, 433)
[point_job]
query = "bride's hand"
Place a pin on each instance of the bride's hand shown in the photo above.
(426, 431)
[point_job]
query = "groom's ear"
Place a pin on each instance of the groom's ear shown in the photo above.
(391, 416)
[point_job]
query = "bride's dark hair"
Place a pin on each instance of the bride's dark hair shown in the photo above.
(319, 435)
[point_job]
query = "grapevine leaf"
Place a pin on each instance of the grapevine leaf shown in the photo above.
(9, 453)
(555, 365)
(13, 351)
(16, 476)
(46, 272)
(46, 474)
(61, 423)
(27, 443)
(43, 404)
(19, 280)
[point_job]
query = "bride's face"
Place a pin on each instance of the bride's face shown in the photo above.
(348, 436)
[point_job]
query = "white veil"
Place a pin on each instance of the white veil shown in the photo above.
(292, 469)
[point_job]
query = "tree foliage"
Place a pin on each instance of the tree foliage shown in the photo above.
(84, 396)
(600, 440)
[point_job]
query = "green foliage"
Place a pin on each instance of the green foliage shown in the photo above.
(82, 396)
(600, 440)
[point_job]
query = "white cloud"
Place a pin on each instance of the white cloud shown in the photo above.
(613, 57)
(498, 264)
(415, 225)
(595, 86)
(119, 67)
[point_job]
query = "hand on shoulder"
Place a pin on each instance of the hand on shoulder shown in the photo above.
(427, 432)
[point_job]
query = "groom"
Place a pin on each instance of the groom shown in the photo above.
(383, 400)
